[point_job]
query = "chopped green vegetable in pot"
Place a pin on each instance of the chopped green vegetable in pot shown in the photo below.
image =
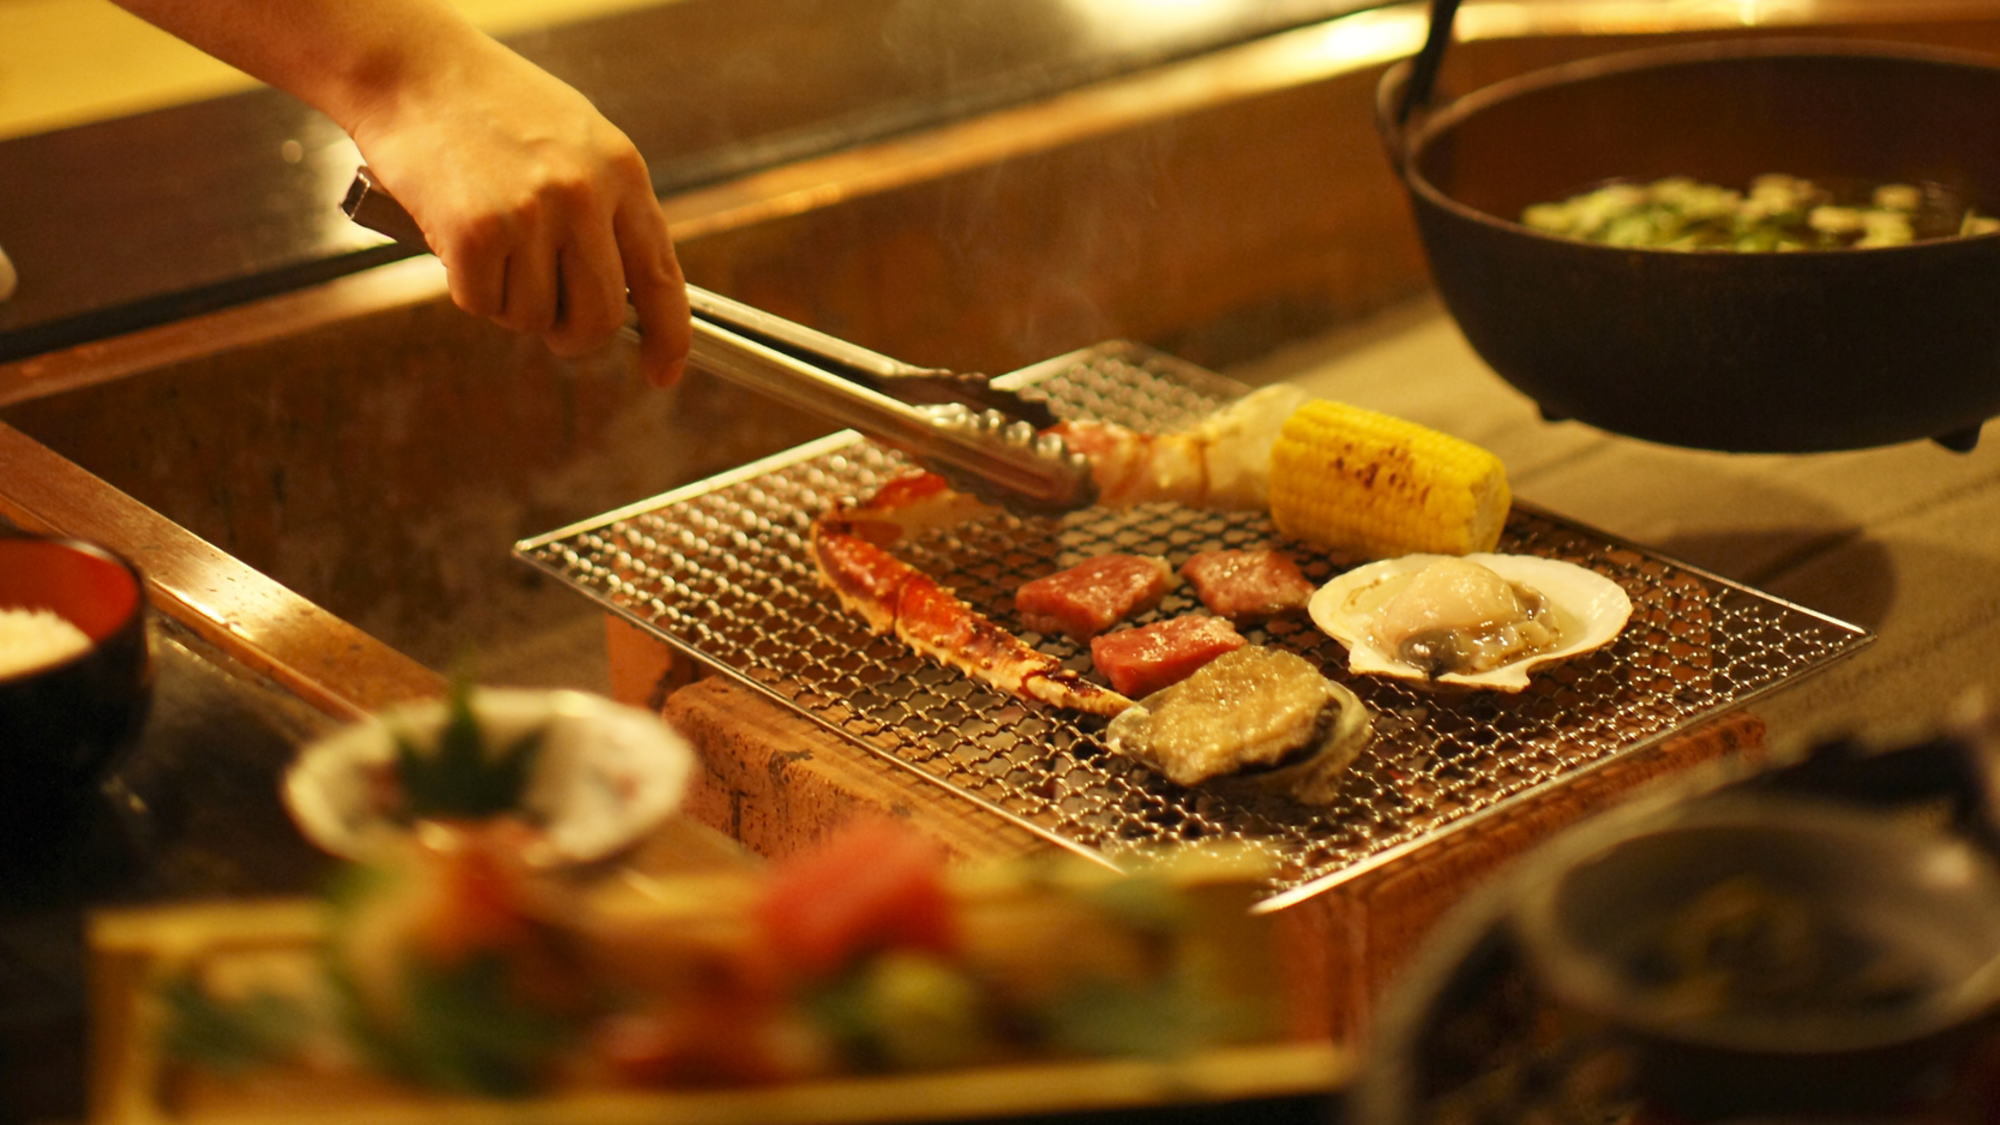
(1775, 213)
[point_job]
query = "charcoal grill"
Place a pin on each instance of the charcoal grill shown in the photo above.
(720, 571)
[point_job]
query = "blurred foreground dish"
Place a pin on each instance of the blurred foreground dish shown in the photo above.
(577, 776)
(1816, 942)
(1771, 955)
(460, 970)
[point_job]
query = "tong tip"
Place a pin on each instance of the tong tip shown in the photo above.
(1005, 460)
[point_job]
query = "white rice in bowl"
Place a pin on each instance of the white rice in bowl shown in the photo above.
(34, 638)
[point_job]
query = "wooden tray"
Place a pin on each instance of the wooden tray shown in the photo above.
(132, 1081)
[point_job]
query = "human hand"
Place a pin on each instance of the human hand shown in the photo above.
(540, 209)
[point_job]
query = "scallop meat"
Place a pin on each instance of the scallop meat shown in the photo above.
(1481, 621)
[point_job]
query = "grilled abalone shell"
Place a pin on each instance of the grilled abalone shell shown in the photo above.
(1258, 716)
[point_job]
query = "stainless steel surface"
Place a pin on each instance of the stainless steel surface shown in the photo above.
(830, 352)
(720, 571)
(989, 453)
(904, 382)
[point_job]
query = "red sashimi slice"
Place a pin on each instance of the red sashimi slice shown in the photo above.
(1248, 585)
(874, 885)
(1141, 661)
(1094, 595)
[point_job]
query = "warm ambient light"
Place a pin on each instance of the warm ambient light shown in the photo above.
(1162, 20)
(1609, 17)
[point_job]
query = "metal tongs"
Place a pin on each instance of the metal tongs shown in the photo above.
(984, 439)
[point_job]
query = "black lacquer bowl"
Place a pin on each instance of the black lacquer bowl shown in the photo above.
(1775, 956)
(1715, 349)
(1744, 957)
(63, 725)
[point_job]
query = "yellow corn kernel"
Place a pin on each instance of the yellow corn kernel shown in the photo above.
(1368, 485)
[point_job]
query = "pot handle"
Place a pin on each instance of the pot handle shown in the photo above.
(1408, 85)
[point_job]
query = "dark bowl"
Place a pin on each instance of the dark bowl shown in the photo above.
(1849, 958)
(63, 725)
(1778, 352)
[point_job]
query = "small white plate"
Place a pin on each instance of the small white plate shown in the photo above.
(606, 773)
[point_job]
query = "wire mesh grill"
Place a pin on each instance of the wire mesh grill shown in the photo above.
(721, 571)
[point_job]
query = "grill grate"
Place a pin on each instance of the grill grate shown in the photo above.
(720, 570)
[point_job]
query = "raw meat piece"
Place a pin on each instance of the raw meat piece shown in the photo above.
(1248, 585)
(1141, 661)
(1093, 595)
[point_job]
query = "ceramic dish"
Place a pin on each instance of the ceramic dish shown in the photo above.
(605, 774)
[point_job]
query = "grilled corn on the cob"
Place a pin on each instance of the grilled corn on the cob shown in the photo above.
(1370, 485)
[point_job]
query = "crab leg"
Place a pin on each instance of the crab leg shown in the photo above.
(894, 597)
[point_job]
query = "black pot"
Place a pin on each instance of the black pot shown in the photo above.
(1778, 352)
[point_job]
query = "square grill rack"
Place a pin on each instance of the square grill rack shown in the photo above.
(720, 571)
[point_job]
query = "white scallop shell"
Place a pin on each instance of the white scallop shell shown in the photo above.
(1590, 611)
(607, 773)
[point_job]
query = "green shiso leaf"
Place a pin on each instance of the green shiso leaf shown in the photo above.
(903, 1011)
(458, 778)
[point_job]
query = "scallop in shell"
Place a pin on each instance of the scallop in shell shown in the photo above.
(1476, 621)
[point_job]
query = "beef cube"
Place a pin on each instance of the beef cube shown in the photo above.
(1141, 661)
(1094, 595)
(1248, 585)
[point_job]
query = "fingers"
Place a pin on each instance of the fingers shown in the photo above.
(528, 304)
(590, 279)
(549, 239)
(475, 262)
(546, 264)
(658, 292)
(540, 208)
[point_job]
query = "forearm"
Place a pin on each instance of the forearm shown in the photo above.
(541, 210)
(350, 59)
